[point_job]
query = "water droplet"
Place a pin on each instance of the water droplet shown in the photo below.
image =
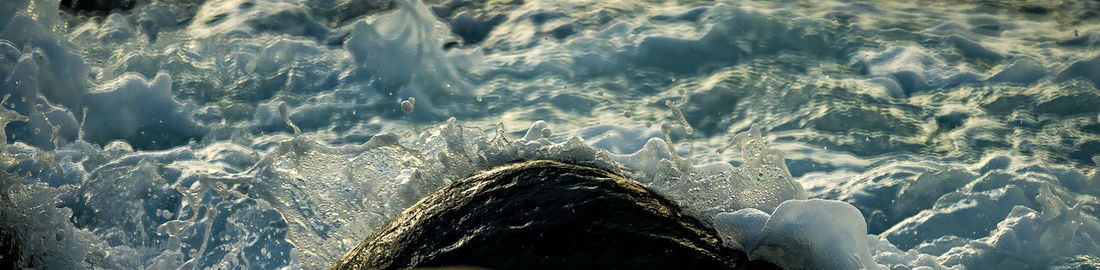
(407, 106)
(626, 113)
(546, 133)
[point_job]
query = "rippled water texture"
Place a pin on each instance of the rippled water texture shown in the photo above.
(267, 134)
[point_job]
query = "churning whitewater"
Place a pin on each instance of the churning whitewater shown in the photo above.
(271, 134)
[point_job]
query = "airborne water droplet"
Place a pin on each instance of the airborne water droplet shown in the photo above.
(407, 106)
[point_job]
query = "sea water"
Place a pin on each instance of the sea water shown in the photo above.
(267, 134)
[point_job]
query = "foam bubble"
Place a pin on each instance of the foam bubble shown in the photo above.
(801, 234)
